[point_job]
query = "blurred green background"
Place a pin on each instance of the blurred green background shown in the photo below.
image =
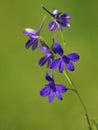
(21, 107)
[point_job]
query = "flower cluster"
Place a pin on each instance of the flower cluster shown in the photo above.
(54, 56)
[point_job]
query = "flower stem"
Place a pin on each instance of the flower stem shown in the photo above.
(62, 37)
(41, 38)
(80, 99)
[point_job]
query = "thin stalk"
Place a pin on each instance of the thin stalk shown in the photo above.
(41, 38)
(80, 99)
(62, 37)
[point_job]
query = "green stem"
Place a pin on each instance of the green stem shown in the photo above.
(62, 37)
(80, 99)
(41, 38)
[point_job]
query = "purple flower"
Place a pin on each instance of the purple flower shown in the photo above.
(33, 35)
(51, 89)
(48, 58)
(64, 60)
(59, 20)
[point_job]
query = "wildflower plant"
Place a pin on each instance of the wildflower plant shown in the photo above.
(55, 58)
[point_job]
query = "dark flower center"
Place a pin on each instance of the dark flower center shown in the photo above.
(65, 59)
(52, 86)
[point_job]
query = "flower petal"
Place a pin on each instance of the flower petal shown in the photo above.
(55, 63)
(70, 66)
(47, 76)
(66, 59)
(61, 67)
(43, 60)
(29, 43)
(73, 56)
(52, 26)
(65, 17)
(58, 49)
(55, 12)
(50, 59)
(45, 91)
(60, 88)
(51, 97)
(44, 47)
(35, 44)
(29, 31)
(66, 25)
(68, 63)
(59, 96)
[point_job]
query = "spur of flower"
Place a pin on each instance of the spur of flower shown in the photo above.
(33, 36)
(51, 89)
(48, 58)
(59, 20)
(64, 60)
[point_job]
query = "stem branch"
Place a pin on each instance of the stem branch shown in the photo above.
(80, 99)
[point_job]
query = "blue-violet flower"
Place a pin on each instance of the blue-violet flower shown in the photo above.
(59, 20)
(48, 58)
(33, 35)
(63, 60)
(51, 89)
